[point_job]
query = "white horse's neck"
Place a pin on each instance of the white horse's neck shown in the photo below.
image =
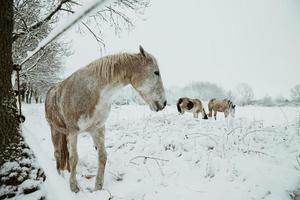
(110, 90)
(116, 76)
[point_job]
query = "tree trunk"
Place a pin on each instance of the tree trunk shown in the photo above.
(9, 134)
(14, 153)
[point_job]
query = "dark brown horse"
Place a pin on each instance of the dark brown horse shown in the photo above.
(195, 106)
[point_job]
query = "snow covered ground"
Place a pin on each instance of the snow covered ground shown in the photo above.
(161, 156)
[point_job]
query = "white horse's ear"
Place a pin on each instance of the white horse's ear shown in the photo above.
(142, 51)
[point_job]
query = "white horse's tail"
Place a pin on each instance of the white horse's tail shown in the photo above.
(64, 153)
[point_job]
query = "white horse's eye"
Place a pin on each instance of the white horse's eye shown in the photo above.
(156, 73)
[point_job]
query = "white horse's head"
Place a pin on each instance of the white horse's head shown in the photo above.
(148, 83)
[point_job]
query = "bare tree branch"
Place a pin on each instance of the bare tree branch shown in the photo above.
(123, 16)
(67, 10)
(98, 39)
(117, 15)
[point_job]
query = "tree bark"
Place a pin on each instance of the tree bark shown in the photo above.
(14, 153)
(9, 133)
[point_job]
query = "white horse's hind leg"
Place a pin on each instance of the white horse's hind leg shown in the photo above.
(98, 138)
(72, 145)
(56, 142)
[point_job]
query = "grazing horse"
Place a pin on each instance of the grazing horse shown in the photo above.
(191, 105)
(218, 105)
(82, 102)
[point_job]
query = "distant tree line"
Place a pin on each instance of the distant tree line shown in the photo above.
(242, 95)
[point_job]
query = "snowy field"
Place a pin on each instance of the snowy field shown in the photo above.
(167, 156)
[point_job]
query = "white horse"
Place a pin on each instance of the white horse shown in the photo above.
(82, 102)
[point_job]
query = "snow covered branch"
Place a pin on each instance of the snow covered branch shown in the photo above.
(38, 24)
(61, 29)
(33, 65)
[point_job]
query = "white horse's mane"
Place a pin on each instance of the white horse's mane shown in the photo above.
(112, 67)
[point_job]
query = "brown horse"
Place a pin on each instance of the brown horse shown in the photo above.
(195, 106)
(223, 105)
(82, 102)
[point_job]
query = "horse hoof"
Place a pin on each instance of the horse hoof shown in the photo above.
(74, 188)
(98, 187)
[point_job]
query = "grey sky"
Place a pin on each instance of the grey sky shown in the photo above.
(226, 42)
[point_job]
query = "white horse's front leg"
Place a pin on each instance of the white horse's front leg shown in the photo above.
(72, 145)
(98, 138)
(215, 115)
